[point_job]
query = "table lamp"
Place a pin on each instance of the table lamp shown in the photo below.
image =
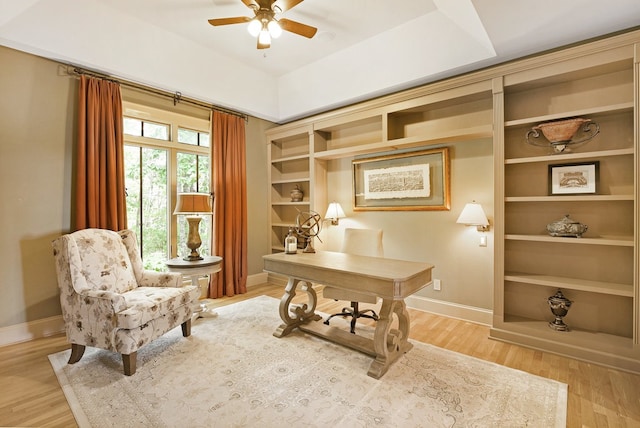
(194, 205)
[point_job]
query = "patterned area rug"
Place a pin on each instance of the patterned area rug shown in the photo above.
(233, 372)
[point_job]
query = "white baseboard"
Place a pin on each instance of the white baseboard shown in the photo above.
(451, 310)
(257, 279)
(31, 330)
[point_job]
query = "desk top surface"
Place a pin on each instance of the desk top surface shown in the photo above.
(381, 276)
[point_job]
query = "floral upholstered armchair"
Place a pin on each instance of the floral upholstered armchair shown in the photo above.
(109, 301)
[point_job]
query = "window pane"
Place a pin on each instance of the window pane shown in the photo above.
(132, 126)
(132, 184)
(187, 173)
(187, 136)
(203, 174)
(155, 219)
(204, 139)
(193, 176)
(158, 131)
(146, 183)
(193, 173)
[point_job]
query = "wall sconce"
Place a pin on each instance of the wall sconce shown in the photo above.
(473, 215)
(334, 213)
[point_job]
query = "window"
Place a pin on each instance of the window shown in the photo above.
(165, 153)
(143, 128)
(195, 138)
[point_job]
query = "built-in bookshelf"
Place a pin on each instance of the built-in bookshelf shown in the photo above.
(600, 271)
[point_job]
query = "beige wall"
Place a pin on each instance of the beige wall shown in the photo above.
(465, 268)
(36, 133)
(37, 129)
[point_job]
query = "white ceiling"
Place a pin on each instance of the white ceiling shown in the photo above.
(364, 48)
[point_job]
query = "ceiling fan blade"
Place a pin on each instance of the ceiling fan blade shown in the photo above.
(297, 28)
(227, 21)
(285, 5)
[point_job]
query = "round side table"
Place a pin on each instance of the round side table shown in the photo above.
(195, 269)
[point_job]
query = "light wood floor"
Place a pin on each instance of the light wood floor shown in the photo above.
(598, 397)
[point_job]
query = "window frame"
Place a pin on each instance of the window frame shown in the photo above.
(175, 121)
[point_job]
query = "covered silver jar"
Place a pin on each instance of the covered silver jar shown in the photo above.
(566, 227)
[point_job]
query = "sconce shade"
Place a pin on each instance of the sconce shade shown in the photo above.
(473, 215)
(334, 212)
(193, 203)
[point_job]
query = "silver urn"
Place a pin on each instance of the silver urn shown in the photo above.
(297, 194)
(559, 306)
(567, 227)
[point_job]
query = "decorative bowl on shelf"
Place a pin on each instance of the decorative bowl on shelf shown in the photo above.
(561, 133)
(567, 227)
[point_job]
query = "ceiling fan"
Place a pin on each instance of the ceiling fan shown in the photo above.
(264, 24)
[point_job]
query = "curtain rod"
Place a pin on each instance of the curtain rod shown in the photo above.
(176, 96)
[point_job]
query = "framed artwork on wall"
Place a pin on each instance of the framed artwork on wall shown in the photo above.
(574, 178)
(418, 181)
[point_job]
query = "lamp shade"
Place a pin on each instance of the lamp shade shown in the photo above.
(254, 27)
(193, 203)
(473, 215)
(334, 211)
(274, 29)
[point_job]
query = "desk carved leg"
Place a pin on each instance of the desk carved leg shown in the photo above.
(389, 344)
(294, 315)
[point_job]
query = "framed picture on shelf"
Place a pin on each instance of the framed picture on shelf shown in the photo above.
(417, 181)
(574, 178)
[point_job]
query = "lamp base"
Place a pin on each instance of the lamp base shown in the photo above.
(193, 240)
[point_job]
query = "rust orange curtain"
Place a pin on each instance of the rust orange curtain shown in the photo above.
(100, 189)
(230, 204)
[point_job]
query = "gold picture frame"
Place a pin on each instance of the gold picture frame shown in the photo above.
(410, 181)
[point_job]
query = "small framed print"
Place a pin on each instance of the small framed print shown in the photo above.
(574, 179)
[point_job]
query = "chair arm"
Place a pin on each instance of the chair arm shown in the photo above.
(152, 278)
(107, 301)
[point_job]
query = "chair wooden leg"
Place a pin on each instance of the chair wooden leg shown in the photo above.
(77, 351)
(354, 318)
(186, 328)
(129, 363)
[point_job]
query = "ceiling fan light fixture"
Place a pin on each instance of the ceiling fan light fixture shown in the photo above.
(264, 38)
(274, 29)
(264, 26)
(254, 27)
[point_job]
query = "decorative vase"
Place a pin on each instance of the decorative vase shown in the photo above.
(559, 307)
(561, 133)
(296, 194)
(567, 228)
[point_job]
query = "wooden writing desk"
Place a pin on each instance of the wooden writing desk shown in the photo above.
(391, 280)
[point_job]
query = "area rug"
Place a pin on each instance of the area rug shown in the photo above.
(232, 372)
